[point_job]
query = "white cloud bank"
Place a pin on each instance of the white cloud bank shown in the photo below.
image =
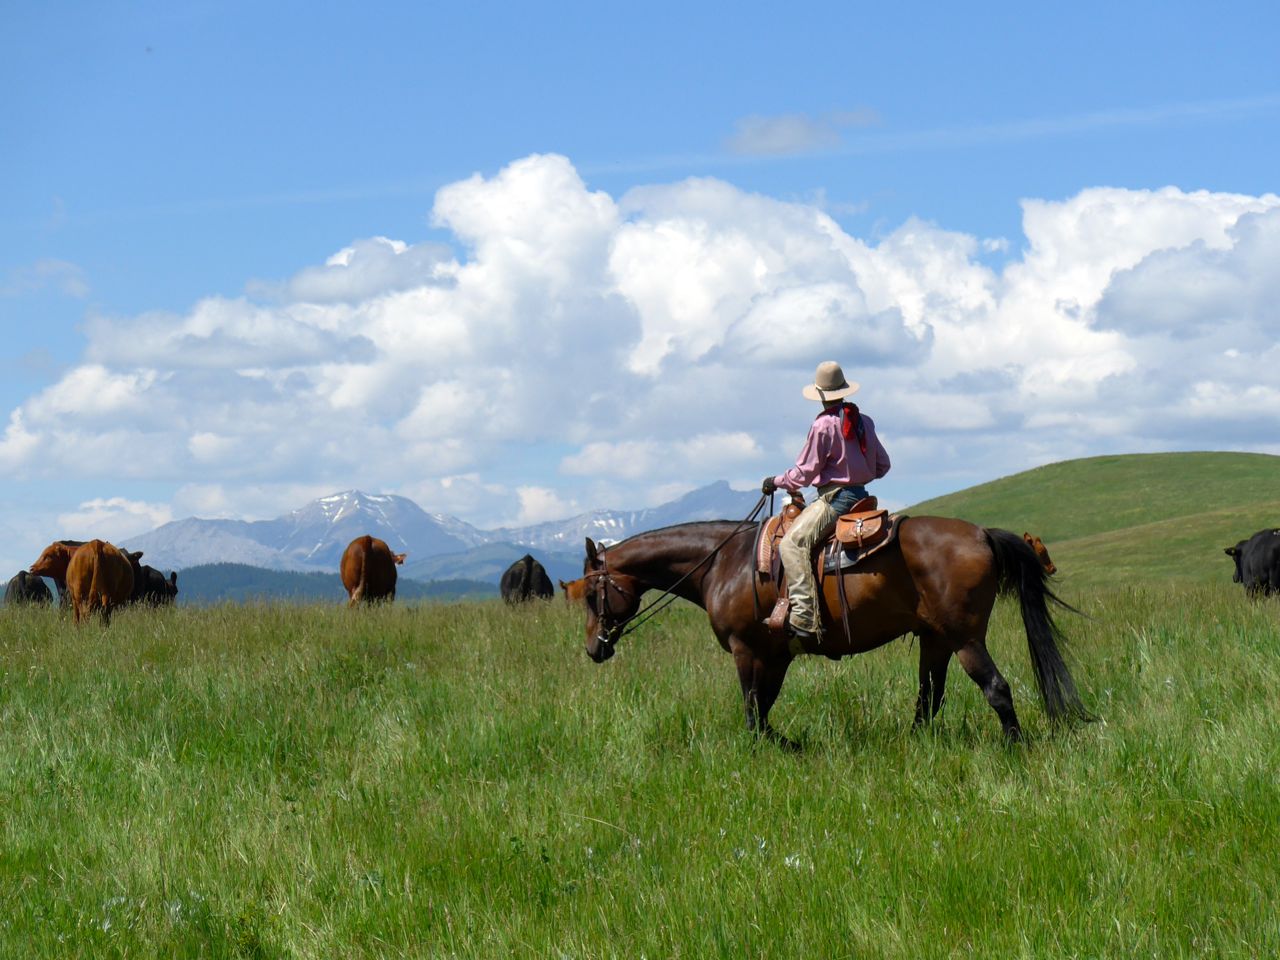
(661, 338)
(114, 518)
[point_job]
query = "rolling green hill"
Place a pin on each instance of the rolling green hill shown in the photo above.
(1138, 517)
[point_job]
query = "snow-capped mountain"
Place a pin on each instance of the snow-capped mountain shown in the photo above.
(309, 538)
(716, 501)
(314, 536)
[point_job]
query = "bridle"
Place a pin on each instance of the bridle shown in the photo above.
(603, 580)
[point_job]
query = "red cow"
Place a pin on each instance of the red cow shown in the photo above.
(100, 578)
(53, 563)
(574, 590)
(369, 570)
(1036, 544)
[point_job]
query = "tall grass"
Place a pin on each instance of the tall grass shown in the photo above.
(459, 780)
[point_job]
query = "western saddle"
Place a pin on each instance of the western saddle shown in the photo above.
(863, 531)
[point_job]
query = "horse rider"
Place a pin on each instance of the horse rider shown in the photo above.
(840, 456)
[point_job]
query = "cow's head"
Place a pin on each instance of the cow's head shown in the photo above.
(1042, 553)
(53, 562)
(1234, 554)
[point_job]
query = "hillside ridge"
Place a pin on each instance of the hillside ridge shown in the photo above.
(1111, 518)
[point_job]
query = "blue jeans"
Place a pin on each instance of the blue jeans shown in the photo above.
(843, 501)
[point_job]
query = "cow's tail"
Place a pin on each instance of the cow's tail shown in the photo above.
(1019, 570)
(95, 596)
(362, 581)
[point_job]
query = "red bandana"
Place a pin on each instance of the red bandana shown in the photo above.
(851, 423)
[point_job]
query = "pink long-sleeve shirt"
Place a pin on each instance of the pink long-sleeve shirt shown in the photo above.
(828, 457)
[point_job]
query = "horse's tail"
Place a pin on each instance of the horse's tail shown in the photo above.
(1019, 570)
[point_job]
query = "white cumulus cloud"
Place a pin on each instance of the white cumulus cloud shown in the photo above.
(569, 348)
(113, 518)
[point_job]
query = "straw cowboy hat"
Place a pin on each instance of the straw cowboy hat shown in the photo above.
(829, 383)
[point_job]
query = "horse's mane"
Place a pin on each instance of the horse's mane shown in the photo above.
(676, 526)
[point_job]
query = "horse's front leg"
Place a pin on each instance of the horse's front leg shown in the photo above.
(934, 659)
(761, 679)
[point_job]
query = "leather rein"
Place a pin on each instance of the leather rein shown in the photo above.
(603, 579)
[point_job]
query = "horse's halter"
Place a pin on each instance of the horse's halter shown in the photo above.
(603, 579)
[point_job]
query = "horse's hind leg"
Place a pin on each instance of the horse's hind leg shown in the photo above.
(935, 657)
(977, 662)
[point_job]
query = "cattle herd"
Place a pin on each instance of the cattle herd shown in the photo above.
(91, 577)
(98, 577)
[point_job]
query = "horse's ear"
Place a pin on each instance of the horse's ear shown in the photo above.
(591, 550)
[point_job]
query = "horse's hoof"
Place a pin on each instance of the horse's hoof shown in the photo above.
(786, 743)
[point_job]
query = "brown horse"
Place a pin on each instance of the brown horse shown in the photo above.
(938, 580)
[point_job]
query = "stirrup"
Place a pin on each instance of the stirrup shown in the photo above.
(797, 637)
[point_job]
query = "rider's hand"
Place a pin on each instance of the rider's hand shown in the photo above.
(768, 486)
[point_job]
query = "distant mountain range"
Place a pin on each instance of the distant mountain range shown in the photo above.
(311, 539)
(239, 583)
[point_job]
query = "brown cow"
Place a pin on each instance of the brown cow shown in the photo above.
(100, 578)
(369, 570)
(574, 590)
(53, 563)
(1036, 544)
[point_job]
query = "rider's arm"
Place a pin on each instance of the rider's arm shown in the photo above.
(876, 457)
(812, 457)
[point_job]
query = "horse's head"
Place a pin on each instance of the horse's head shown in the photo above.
(1234, 554)
(611, 599)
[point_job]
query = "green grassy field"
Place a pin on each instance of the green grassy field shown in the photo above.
(1111, 521)
(459, 780)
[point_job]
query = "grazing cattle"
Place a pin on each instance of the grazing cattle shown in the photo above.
(149, 584)
(574, 590)
(368, 570)
(27, 588)
(99, 578)
(1257, 563)
(53, 563)
(526, 580)
(1036, 544)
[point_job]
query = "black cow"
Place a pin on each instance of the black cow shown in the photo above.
(1258, 562)
(526, 580)
(149, 585)
(27, 588)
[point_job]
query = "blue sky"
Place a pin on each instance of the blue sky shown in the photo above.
(174, 178)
